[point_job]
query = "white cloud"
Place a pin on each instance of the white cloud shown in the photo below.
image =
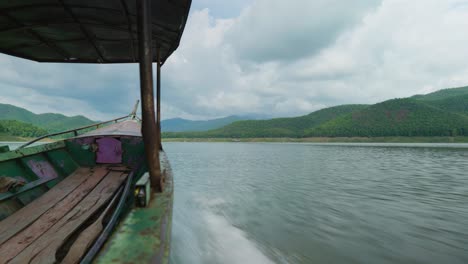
(279, 58)
(96, 91)
(287, 30)
(401, 49)
(40, 103)
(373, 52)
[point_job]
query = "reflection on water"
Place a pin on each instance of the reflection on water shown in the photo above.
(314, 203)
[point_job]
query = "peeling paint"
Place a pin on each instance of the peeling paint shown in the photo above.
(144, 235)
(42, 169)
(109, 150)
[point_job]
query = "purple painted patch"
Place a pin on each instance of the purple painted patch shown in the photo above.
(109, 150)
(42, 169)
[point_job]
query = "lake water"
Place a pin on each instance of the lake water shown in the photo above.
(319, 203)
(312, 203)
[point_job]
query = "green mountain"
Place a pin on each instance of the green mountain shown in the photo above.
(442, 94)
(442, 113)
(278, 127)
(455, 104)
(50, 122)
(397, 117)
(181, 125)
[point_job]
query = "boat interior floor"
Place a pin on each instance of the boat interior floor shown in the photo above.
(60, 225)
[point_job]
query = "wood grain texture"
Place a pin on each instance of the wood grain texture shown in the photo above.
(43, 249)
(28, 214)
(28, 235)
(87, 237)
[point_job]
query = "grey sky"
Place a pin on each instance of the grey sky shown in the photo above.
(270, 57)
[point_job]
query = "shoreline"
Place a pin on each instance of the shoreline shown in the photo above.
(329, 140)
(9, 139)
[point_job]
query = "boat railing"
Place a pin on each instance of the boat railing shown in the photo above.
(76, 130)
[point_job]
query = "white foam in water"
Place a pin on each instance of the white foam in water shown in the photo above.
(201, 236)
(231, 244)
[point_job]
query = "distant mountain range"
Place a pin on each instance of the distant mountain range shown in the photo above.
(184, 125)
(51, 122)
(442, 113)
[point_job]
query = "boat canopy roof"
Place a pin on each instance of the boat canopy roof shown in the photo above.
(87, 31)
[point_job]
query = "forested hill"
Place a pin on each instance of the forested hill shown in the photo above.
(180, 125)
(442, 113)
(20, 129)
(398, 117)
(49, 121)
(285, 127)
(278, 127)
(443, 94)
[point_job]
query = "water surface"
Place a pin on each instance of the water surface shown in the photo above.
(319, 203)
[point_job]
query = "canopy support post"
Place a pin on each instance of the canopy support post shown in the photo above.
(158, 95)
(149, 127)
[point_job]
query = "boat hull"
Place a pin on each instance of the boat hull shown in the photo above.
(130, 234)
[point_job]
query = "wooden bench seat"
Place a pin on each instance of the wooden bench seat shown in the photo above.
(35, 233)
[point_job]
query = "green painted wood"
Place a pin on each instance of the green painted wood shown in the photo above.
(62, 161)
(4, 149)
(14, 168)
(39, 166)
(26, 187)
(30, 150)
(133, 150)
(63, 164)
(81, 152)
(16, 164)
(44, 173)
(144, 234)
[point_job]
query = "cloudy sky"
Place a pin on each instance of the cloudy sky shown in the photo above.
(269, 57)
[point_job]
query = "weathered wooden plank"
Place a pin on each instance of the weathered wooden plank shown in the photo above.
(87, 237)
(28, 214)
(28, 235)
(26, 187)
(18, 153)
(43, 250)
(14, 169)
(151, 225)
(8, 208)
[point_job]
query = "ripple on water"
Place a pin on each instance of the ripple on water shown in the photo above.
(309, 203)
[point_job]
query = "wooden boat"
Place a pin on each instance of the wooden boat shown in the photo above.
(105, 193)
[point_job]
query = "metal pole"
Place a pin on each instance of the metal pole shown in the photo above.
(158, 95)
(149, 127)
(135, 108)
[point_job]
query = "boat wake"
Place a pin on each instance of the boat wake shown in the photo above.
(202, 236)
(232, 244)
